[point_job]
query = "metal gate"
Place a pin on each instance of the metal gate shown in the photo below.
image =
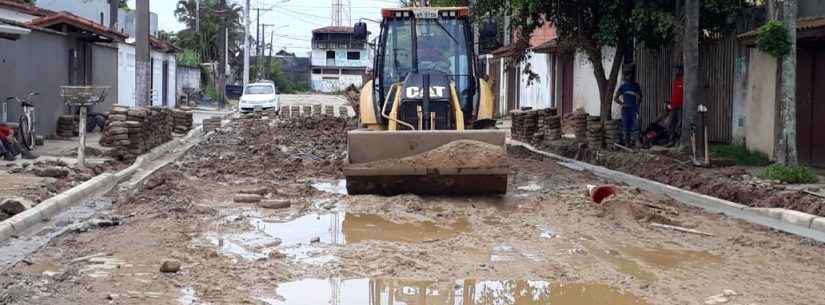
(716, 68)
(810, 103)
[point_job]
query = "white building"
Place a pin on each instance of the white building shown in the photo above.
(163, 66)
(338, 60)
(162, 55)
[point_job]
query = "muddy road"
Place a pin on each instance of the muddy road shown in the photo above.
(542, 243)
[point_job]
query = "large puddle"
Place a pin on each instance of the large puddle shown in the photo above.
(641, 262)
(300, 237)
(389, 291)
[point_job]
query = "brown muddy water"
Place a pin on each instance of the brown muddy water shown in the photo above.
(391, 291)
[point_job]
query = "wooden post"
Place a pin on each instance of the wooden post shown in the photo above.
(81, 147)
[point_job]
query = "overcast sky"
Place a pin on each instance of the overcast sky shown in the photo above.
(293, 19)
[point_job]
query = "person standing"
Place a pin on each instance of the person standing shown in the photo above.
(677, 99)
(629, 96)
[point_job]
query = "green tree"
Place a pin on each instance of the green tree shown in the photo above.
(203, 29)
(592, 25)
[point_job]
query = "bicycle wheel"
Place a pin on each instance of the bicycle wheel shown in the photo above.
(26, 137)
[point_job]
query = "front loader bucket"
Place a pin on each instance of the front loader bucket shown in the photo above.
(372, 170)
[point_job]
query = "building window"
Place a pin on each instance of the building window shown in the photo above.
(316, 71)
(330, 54)
(354, 55)
(352, 72)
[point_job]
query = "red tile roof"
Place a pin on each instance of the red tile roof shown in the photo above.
(334, 29)
(802, 25)
(162, 45)
(76, 21)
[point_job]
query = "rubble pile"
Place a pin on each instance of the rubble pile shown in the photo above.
(525, 124)
(182, 120)
(579, 119)
(267, 148)
(612, 132)
(211, 124)
(134, 131)
(66, 126)
(549, 125)
(595, 132)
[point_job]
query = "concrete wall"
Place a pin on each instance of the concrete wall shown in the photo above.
(187, 77)
(89, 9)
(740, 94)
(760, 106)
(126, 76)
(104, 73)
(319, 58)
(585, 88)
(811, 8)
(332, 82)
(36, 62)
(536, 94)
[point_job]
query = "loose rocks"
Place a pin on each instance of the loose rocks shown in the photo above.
(15, 205)
(170, 266)
(275, 204)
(247, 198)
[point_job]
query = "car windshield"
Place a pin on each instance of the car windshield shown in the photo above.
(259, 89)
(441, 45)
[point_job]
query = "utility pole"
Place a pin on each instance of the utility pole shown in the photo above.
(221, 79)
(692, 129)
(262, 69)
(269, 58)
(786, 148)
(142, 66)
(258, 37)
(247, 23)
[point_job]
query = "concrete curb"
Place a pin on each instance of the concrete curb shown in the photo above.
(789, 221)
(47, 209)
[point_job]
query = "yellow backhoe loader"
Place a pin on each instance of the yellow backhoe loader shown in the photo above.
(426, 92)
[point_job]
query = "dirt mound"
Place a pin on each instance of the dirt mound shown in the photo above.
(630, 206)
(270, 148)
(456, 154)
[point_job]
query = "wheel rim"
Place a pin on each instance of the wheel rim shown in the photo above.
(25, 133)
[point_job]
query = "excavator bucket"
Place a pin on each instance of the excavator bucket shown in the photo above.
(437, 162)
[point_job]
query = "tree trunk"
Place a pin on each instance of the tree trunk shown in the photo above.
(787, 150)
(606, 83)
(692, 79)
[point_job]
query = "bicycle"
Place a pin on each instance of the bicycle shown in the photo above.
(26, 121)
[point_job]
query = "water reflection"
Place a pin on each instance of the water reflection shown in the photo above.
(390, 291)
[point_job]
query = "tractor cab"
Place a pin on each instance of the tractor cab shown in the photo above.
(426, 47)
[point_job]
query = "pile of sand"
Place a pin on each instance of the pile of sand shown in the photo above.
(456, 154)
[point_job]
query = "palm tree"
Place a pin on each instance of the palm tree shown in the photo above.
(204, 28)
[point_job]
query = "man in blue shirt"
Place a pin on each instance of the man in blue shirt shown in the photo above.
(629, 96)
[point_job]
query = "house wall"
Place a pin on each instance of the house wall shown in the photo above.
(585, 88)
(760, 106)
(36, 62)
(329, 83)
(537, 93)
(104, 73)
(187, 77)
(740, 95)
(89, 9)
(811, 8)
(126, 76)
(319, 58)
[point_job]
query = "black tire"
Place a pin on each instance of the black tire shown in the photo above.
(24, 133)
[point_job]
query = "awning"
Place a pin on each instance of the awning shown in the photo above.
(12, 32)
